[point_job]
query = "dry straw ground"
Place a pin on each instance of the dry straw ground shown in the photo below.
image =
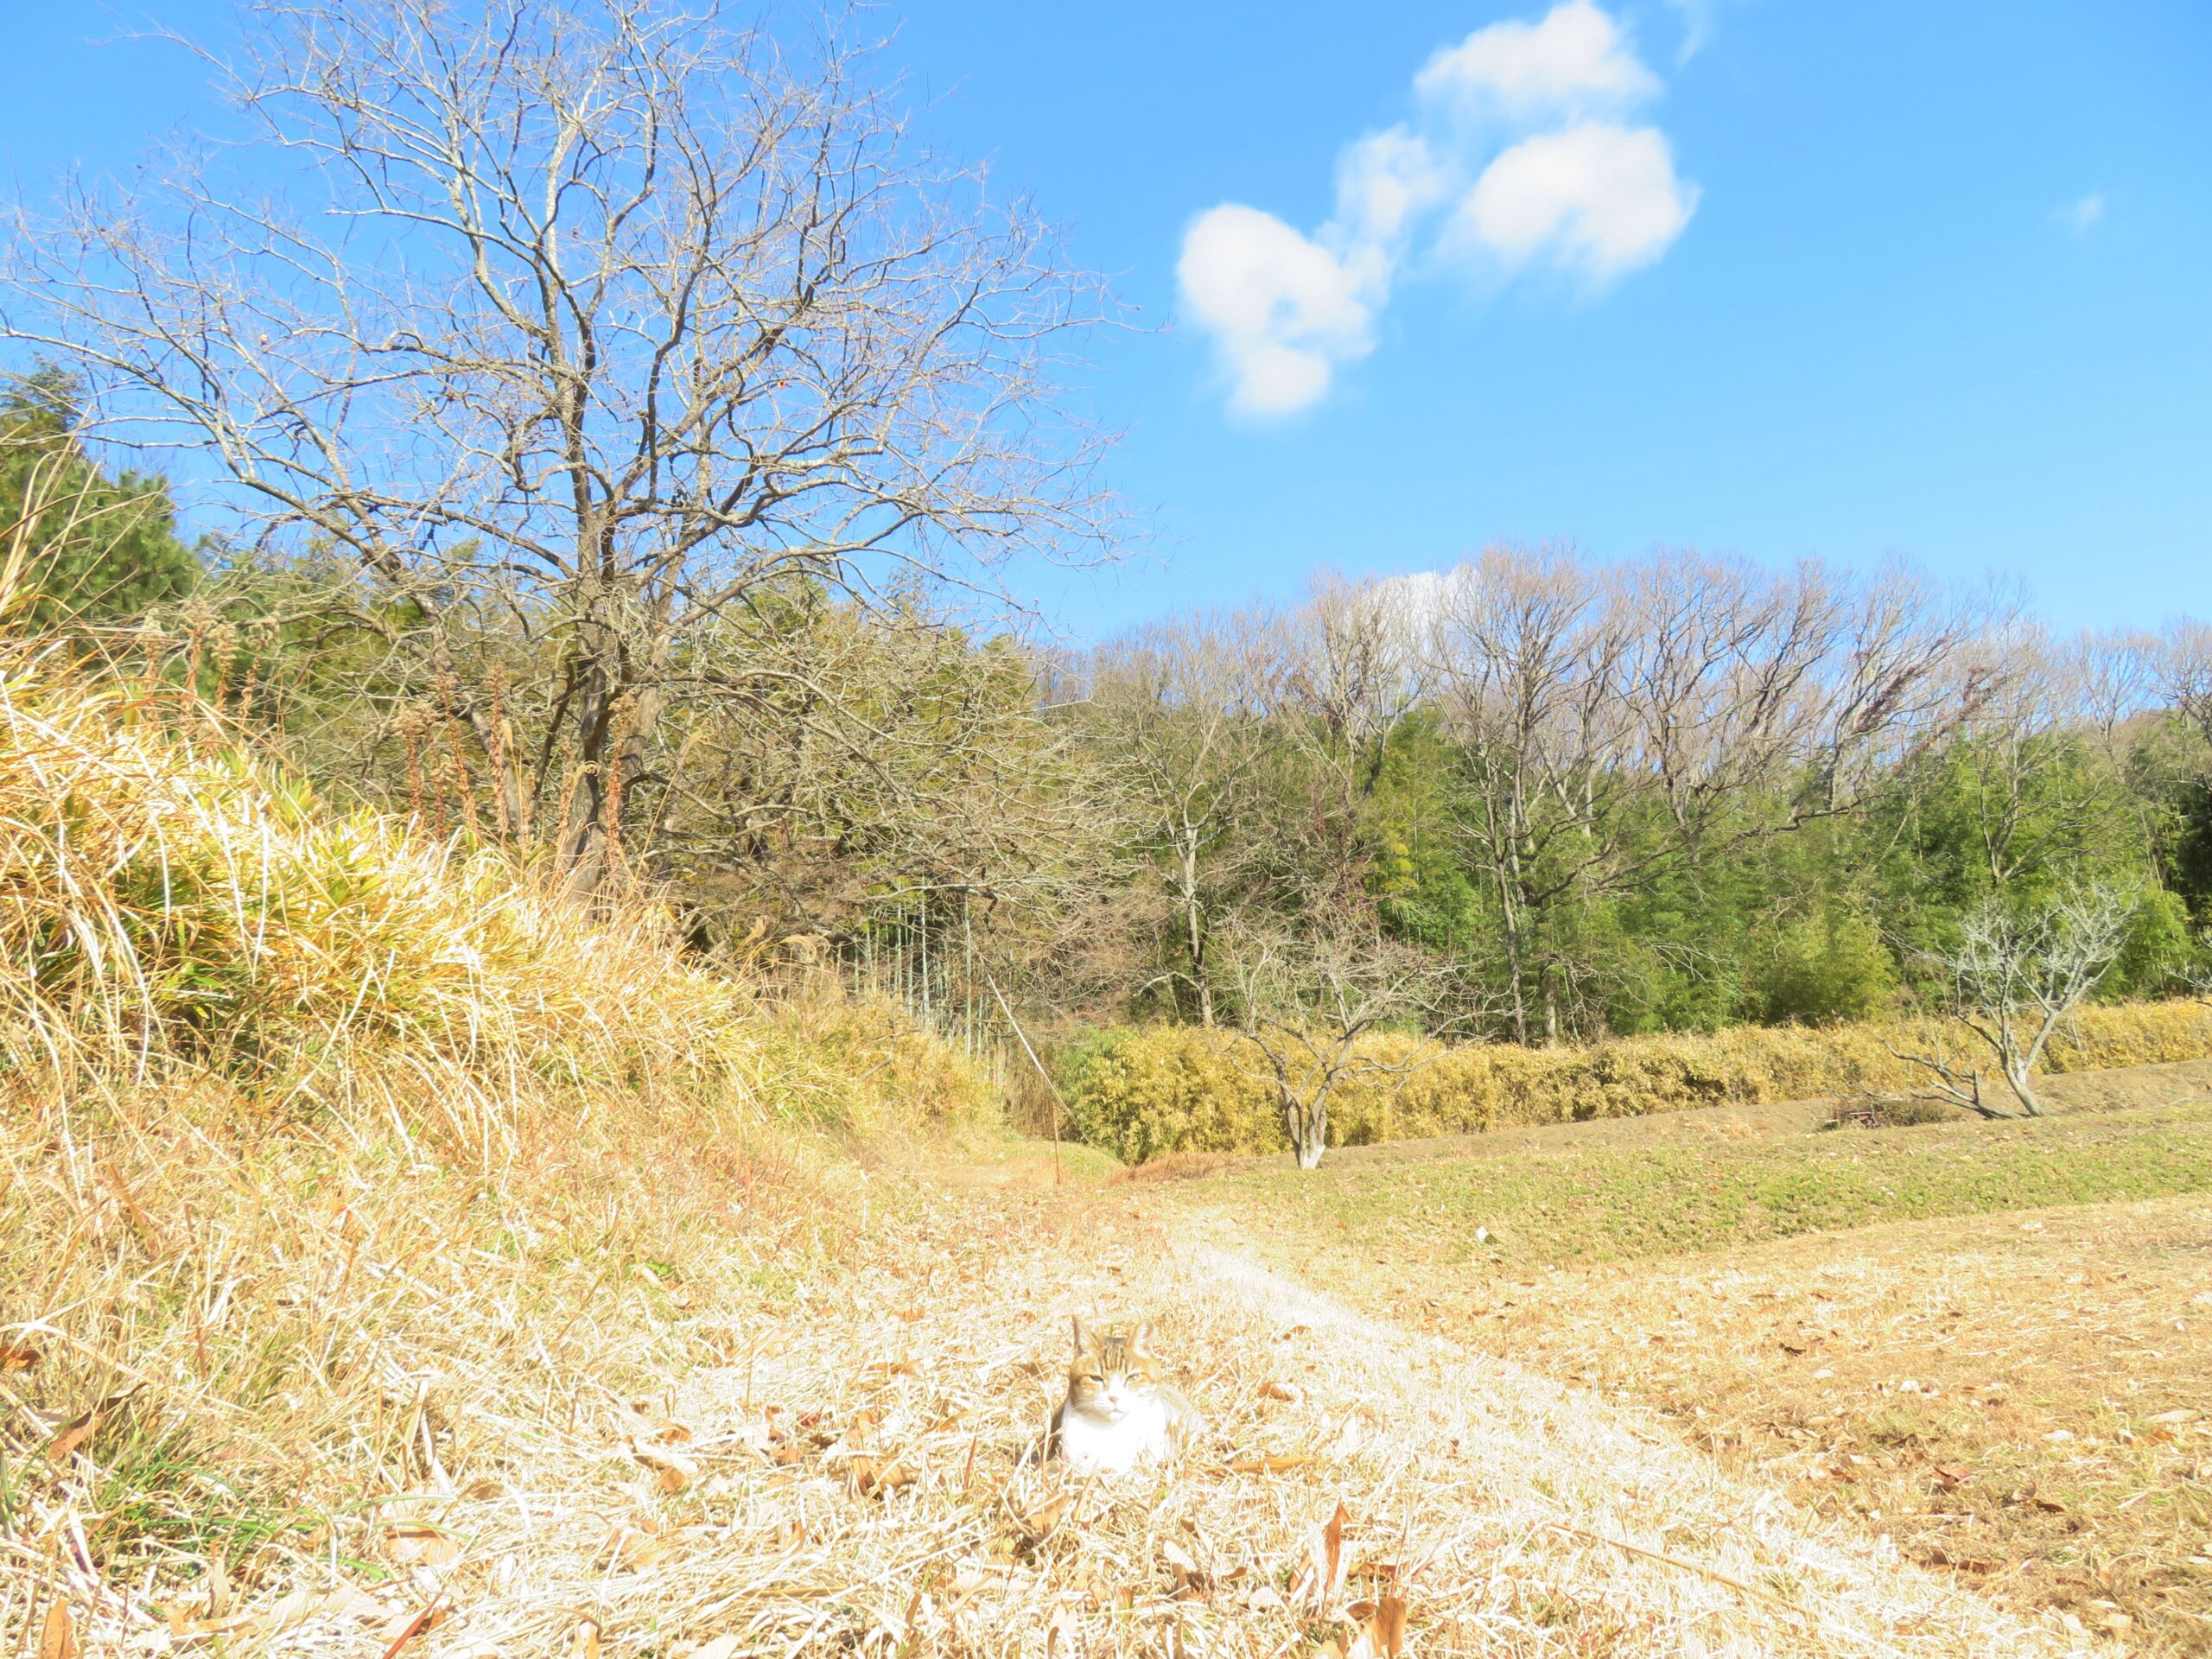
(844, 1473)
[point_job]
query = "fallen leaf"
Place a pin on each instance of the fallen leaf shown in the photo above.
(1188, 1579)
(1388, 1627)
(1951, 1475)
(417, 1545)
(72, 1435)
(584, 1644)
(891, 1480)
(1348, 1436)
(672, 1470)
(636, 1550)
(1274, 1463)
(57, 1638)
(300, 1605)
(410, 1627)
(1041, 1521)
(18, 1356)
(1289, 1393)
(1326, 1552)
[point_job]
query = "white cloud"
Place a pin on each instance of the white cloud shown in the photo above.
(2082, 215)
(1575, 62)
(1283, 310)
(1518, 157)
(1596, 199)
(1382, 180)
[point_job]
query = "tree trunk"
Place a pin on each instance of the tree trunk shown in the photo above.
(2019, 1074)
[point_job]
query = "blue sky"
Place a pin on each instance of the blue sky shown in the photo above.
(1758, 277)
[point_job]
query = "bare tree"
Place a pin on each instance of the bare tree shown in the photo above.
(1183, 710)
(2012, 979)
(598, 320)
(2038, 712)
(2182, 672)
(1737, 703)
(1308, 994)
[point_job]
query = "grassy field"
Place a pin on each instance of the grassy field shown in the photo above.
(1990, 1344)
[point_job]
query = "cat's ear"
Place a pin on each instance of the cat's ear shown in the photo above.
(1082, 1337)
(1141, 1339)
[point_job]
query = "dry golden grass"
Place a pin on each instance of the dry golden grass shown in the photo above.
(333, 1155)
(844, 1472)
(1148, 1092)
(2022, 1399)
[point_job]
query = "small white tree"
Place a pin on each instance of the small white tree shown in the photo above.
(1307, 997)
(2012, 977)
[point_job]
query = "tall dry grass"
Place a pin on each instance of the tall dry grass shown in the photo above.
(334, 1158)
(1147, 1092)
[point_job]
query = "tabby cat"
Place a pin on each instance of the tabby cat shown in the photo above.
(1120, 1409)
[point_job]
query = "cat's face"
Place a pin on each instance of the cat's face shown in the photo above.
(1111, 1375)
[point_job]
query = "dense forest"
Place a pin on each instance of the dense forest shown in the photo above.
(1534, 796)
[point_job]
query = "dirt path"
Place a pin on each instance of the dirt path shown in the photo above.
(847, 1476)
(846, 1471)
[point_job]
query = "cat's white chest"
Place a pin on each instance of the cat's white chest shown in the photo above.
(1096, 1445)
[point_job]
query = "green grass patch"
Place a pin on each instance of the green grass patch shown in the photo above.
(1615, 1202)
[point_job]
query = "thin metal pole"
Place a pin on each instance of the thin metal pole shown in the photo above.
(1058, 1105)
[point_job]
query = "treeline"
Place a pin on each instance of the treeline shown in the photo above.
(1578, 800)
(1535, 797)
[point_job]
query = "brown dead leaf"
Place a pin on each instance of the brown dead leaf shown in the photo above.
(72, 1435)
(1274, 1463)
(57, 1638)
(892, 1478)
(635, 1549)
(403, 1630)
(419, 1545)
(1951, 1475)
(889, 1368)
(1189, 1580)
(1043, 1521)
(1388, 1628)
(18, 1356)
(787, 1454)
(672, 1470)
(585, 1643)
(1326, 1563)
(1289, 1393)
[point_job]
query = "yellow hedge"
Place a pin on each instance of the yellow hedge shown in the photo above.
(1145, 1092)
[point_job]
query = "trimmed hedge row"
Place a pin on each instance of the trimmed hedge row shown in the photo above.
(1143, 1092)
